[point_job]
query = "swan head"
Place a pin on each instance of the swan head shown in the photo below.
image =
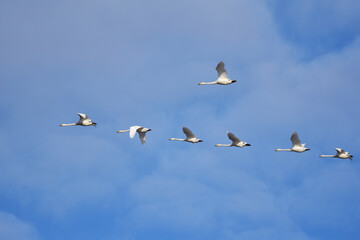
(350, 157)
(94, 124)
(200, 140)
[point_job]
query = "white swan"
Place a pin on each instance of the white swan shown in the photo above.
(297, 145)
(223, 78)
(190, 137)
(137, 129)
(340, 153)
(83, 121)
(235, 142)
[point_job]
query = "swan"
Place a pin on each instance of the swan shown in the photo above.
(190, 137)
(235, 142)
(137, 129)
(297, 145)
(340, 153)
(83, 121)
(223, 78)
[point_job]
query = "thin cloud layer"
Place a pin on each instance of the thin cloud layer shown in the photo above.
(12, 228)
(139, 63)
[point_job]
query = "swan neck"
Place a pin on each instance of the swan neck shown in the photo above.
(207, 83)
(122, 131)
(287, 150)
(68, 124)
(327, 155)
(223, 145)
(176, 139)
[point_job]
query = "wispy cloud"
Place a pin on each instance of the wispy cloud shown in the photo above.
(12, 228)
(139, 63)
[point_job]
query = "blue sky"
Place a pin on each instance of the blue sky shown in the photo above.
(138, 63)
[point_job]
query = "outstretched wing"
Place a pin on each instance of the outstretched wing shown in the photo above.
(188, 133)
(339, 150)
(83, 116)
(233, 138)
(133, 130)
(142, 137)
(295, 139)
(220, 68)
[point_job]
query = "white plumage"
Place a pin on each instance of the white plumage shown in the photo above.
(223, 78)
(83, 121)
(190, 137)
(297, 146)
(340, 153)
(137, 129)
(236, 142)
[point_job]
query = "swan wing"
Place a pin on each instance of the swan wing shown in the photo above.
(220, 68)
(188, 133)
(83, 116)
(133, 130)
(339, 150)
(233, 138)
(142, 137)
(295, 139)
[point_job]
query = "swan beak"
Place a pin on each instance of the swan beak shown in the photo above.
(61, 125)
(276, 150)
(149, 130)
(200, 140)
(307, 149)
(350, 157)
(248, 144)
(94, 124)
(234, 81)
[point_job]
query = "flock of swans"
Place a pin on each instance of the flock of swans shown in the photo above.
(222, 79)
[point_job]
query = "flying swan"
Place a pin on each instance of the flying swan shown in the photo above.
(190, 137)
(235, 142)
(137, 129)
(223, 78)
(340, 153)
(83, 121)
(297, 145)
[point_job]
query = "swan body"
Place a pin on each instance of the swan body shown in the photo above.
(83, 121)
(223, 79)
(190, 137)
(297, 146)
(340, 153)
(236, 142)
(137, 129)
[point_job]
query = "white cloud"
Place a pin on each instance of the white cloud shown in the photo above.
(148, 76)
(12, 228)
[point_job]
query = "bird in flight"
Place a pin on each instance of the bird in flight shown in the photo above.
(297, 146)
(223, 78)
(340, 153)
(236, 142)
(190, 137)
(137, 129)
(83, 121)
